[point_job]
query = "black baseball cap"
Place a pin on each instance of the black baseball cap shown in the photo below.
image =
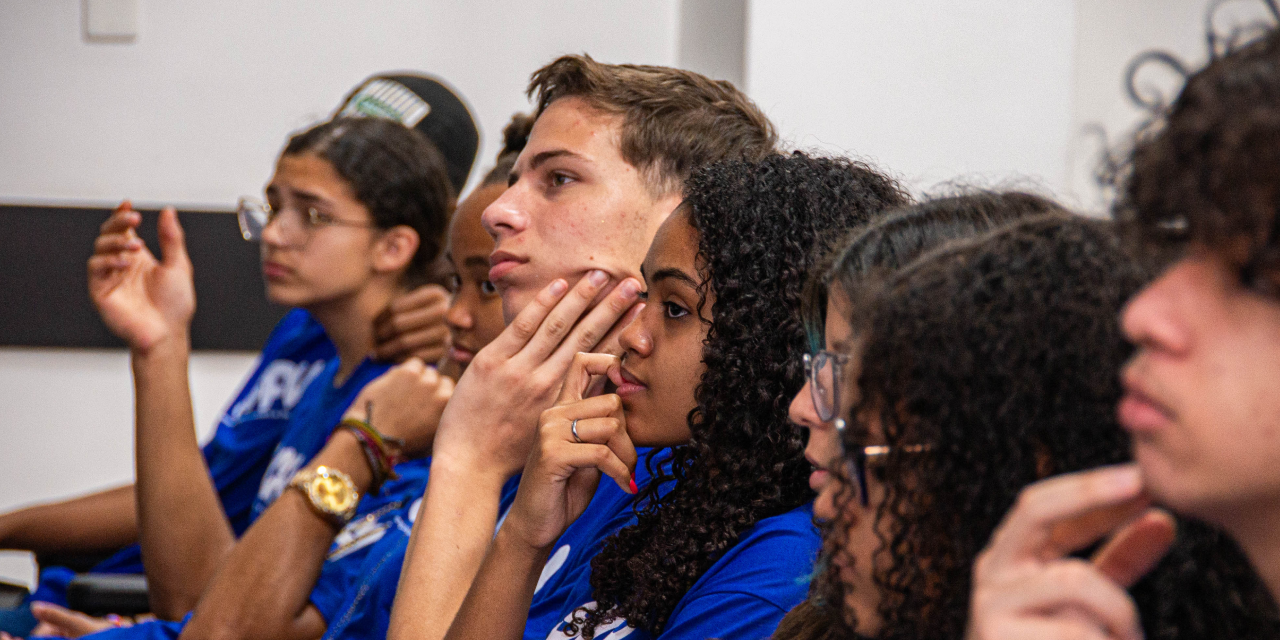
(428, 105)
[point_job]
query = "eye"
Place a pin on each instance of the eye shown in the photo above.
(315, 218)
(673, 310)
(560, 179)
(488, 288)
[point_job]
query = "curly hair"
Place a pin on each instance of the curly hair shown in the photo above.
(394, 171)
(514, 137)
(1205, 171)
(1011, 381)
(902, 235)
(758, 226)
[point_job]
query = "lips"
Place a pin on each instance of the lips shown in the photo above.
(274, 270)
(626, 382)
(460, 354)
(1138, 412)
(501, 263)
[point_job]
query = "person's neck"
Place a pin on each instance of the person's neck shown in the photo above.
(1255, 532)
(348, 321)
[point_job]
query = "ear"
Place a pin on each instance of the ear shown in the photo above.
(394, 249)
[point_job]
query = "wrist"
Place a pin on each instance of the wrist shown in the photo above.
(171, 343)
(518, 550)
(467, 471)
(343, 452)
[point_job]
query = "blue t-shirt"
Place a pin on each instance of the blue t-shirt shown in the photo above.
(358, 547)
(317, 413)
(366, 612)
(247, 433)
(742, 596)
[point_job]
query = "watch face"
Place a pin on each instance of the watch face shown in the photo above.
(332, 493)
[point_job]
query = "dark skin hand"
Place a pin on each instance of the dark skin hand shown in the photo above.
(413, 326)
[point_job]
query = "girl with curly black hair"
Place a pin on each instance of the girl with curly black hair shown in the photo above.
(881, 246)
(959, 406)
(719, 534)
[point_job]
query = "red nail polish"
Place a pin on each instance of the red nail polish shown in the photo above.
(634, 489)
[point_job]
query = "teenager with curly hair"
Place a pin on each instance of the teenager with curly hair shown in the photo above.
(881, 246)
(1203, 188)
(959, 406)
(718, 534)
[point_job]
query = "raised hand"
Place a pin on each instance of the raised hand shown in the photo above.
(407, 402)
(1027, 587)
(142, 300)
(564, 467)
(490, 421)
(412, 326)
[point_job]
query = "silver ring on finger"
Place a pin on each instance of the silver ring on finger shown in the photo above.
(573, 428)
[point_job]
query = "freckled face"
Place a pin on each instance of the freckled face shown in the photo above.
(574, 205)
(475, 312)
(663, 362)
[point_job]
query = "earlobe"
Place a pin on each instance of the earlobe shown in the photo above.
(395, 249)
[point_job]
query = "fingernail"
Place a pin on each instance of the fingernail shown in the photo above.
(630, 289)
(559, 286)
(634, 489)
(597, 277)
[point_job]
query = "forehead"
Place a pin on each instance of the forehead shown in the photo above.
(675, 245)
(312, 174)
(570, 124)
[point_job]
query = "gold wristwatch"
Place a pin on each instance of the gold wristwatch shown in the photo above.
(332, 493)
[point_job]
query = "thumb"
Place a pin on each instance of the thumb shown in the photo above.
(1137, 548)
(173, 243)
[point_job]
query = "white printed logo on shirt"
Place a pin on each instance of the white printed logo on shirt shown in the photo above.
(281, 381)
(284, 464)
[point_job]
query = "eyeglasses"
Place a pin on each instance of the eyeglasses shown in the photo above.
(822, 372)
(862, 457)
(254, 215)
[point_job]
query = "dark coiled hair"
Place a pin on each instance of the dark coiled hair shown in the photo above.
(759, 225)
(514, 138)
(902, 235)
(1013, 379)
(1207, 170)
(394, 171)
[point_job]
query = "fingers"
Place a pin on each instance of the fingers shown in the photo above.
(584, 368)
(427, 344)
(589, 331)
(1137, 548)
(116, 243)
(526, 323)
(71, 624)
(609, 343)
(561, 320)
(422, 308)
(1071, 591)
(122, 219)
(1054, 517)
(173, 244)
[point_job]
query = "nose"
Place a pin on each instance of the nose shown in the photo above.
(458, 317)
(1151, 318)
(273, 233)
(802, 412)
(635, 338)
(507, 215)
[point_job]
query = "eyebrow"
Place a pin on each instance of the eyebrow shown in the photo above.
(672, 274)
(554, 153)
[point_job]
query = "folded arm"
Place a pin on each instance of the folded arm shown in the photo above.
(102, 521)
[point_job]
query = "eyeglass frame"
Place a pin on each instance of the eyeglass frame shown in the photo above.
(861, 456)
(313, 219)
(811, 363)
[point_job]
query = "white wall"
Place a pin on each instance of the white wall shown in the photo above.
(930, 89)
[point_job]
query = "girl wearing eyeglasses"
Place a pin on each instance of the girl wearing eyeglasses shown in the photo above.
(982, 367)
(357, 212)
(702, 526)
